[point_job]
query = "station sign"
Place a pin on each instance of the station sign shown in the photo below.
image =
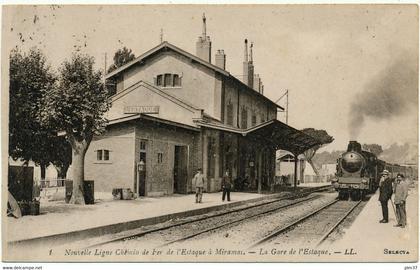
(141, 109)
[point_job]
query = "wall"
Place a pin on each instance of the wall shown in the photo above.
(146, 95)
(118, 172)
(162, 139)
(199, 83)
(263, 110)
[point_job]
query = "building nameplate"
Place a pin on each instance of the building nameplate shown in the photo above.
(141, 109)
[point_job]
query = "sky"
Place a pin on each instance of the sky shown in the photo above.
(350, 69)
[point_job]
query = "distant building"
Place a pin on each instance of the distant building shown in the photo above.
(306, 174)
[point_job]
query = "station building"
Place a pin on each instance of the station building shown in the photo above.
(174, 112)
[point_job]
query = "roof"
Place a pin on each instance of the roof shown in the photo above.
(150, 118)
(276, 133)
(166, 45)
(282, 136)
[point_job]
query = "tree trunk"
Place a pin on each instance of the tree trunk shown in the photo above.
(313, 167)
(43, 169)
(62, 171)
(78, 165)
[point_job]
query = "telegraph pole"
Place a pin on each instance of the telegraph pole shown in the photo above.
(287, 104)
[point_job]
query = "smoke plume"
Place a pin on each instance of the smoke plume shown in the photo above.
(392, 93)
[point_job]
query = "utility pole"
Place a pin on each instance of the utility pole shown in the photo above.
(287, 104)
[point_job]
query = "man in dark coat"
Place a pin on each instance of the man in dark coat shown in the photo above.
(385, 193)
(226, 186)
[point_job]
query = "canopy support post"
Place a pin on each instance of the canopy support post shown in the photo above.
(295, 176)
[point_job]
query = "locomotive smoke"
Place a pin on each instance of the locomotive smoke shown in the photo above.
(392, 93)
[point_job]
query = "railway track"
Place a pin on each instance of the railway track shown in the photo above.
(232, 216)
(315, 227)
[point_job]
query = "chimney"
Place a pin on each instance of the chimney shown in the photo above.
(220, 59)
(245, 64)
(250, 68)
(203, 44)
(257, 83)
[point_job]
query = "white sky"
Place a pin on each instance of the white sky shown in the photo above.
(324, 54)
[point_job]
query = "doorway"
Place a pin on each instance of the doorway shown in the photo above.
(180, 169)
(142, 171)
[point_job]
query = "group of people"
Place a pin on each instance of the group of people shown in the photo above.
(399, 188)
(198, 181)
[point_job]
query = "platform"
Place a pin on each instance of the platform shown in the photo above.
(108, 215)
(372, 240)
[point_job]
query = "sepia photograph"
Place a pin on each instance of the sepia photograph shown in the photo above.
(210, 133)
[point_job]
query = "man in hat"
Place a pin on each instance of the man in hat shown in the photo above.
(401, 193)
(226, 186)
(199, 185)
(385, 193)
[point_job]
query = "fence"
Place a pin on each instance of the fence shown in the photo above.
(53, 183)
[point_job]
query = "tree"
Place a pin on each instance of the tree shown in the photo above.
(121, 57)
(373, 148)
(30, 79)
(322, 136)
(61, 157)
(77, 106)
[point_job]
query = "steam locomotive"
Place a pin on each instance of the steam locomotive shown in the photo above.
(358, 172)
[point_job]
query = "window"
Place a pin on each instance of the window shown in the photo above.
(244, 118)
(143, 145)
(230, 114)
(102, 155)
(159, 80)
(254, 119)
(262, 118)
(168, 80)
(160, 157)
(177, 80)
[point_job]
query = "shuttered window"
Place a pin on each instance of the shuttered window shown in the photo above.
(244, 118)
(230, 114)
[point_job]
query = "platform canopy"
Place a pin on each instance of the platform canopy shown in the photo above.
(282, 136)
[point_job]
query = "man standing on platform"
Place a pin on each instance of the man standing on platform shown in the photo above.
(401, 193)
(226, 186)
(385, 193)
(199, 185)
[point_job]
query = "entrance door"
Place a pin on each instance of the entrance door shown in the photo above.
(142, 175)
(180, 169)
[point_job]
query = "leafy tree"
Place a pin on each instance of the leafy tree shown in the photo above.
(77, 106)
(374, 148)
(30, 79)
(121, 57)
(322, 136)
(326, 157)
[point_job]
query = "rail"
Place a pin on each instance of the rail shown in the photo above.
(143, 233)
(302, 219)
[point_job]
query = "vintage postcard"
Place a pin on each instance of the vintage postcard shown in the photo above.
(210, 133)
